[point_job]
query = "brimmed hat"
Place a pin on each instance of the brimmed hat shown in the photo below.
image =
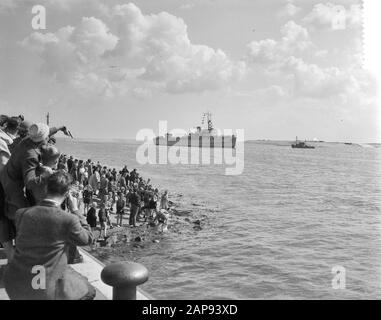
(13, 123)
(38, 132)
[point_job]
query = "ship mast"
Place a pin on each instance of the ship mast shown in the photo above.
(208, 120)
(48, 118)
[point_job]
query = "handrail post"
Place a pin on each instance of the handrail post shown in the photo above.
(124, 277)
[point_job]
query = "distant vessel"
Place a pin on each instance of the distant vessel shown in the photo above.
(202, 138)
(301, 145)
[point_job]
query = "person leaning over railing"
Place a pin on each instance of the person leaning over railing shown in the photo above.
(18, 178)
(39, 269)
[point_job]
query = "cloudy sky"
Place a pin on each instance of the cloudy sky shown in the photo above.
(276, 68)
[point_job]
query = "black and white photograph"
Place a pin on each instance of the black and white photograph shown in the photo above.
(210, 150)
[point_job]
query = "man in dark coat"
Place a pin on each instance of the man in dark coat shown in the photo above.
(70, 163)
(39, 270)
(20, 171)
(135, 200)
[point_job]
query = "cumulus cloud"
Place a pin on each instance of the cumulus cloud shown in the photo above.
(295, 38)
(286, 59)
(142, 54)
(290, 9)
(334, 16)
(72, 53)
(90, 84)
(314, 81)
(92, 38)
(160, 44)
(57, 4)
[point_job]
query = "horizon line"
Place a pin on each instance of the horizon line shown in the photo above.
(247, 140)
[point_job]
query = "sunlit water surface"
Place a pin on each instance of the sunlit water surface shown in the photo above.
(275, 231)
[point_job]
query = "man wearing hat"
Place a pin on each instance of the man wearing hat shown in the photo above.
(43, 236)
(134, 200)
(20, 172)
(23, 129)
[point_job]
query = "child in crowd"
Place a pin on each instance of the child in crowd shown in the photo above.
(92, 217)
(164, 201)
(102, 217)
(87, 197)
(151, 208)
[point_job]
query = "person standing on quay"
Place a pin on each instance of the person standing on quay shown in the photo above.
(94, 181)
(102, 217)
(91, 216)
(164, 203)
(120, 204)
(134, 199)
(87, 197)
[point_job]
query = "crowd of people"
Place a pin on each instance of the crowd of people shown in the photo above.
(100, 191)
(50, 203)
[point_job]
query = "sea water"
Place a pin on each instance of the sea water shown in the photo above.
(281, 229)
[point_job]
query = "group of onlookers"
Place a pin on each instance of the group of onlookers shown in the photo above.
(41, 218)
(34, 230)
(100, 191)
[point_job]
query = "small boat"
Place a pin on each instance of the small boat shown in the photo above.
(301, 145)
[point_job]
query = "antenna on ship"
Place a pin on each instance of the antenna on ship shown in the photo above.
(208, 120)
(48, 118)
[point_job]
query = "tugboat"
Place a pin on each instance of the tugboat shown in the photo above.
(301, 145)
(203, 138)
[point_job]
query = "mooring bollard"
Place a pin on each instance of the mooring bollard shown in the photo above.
(124, 277)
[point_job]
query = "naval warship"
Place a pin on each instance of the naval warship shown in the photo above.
(208, 137)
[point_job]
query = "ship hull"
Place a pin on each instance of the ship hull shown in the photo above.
(198, 142)
(305, 147)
